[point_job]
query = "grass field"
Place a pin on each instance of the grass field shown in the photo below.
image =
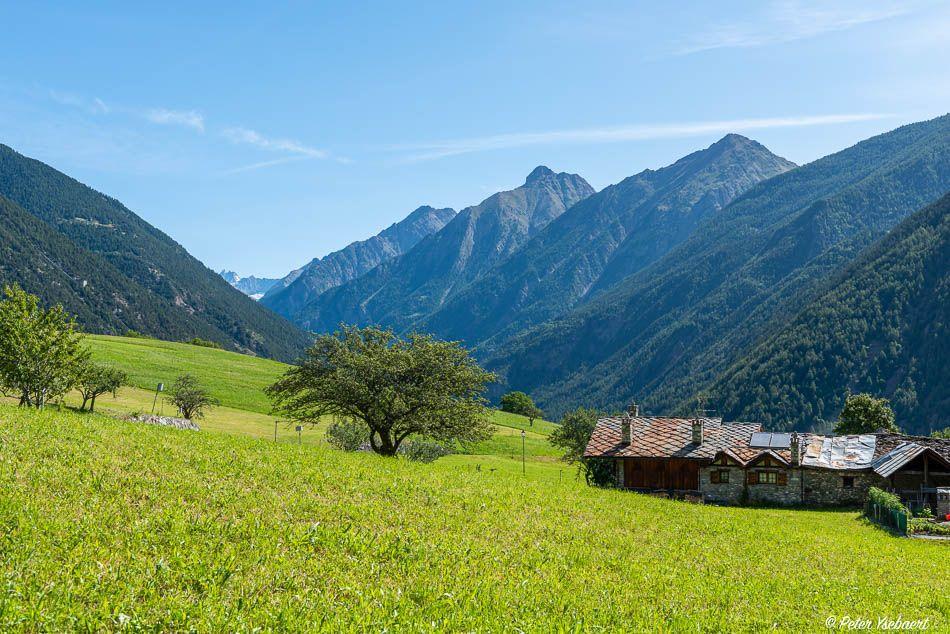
(107, 525)
(238, 381)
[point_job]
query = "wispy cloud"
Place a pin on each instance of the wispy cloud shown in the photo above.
(186, 118)
(295, 150)
(162, 116)
(262, 164)
(442, 149)
(291, 149)
(791, 21)
(251, 137)
(92, 106)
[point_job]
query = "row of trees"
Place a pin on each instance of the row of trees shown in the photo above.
(43, 357)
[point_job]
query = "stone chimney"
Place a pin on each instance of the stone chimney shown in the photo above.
(697, 431)
(795, 450)
(633, 410)
(625, 430)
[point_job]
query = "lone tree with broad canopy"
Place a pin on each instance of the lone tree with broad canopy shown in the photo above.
(41, 351)
(864, 414)
(521, 403)
(190, 398)
(96, 379)
(418, 386)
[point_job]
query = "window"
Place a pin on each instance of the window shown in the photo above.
(847, 482)
(724, 476)
(719, 476)
(768, 477)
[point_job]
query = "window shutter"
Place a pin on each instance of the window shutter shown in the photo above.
(752, 477)
(782, 478)
(714, 476)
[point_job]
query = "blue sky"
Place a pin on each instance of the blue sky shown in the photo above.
(260, 136)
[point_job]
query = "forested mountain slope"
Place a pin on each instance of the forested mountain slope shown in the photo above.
(601, 240)
(667, 331)
(882, 327)
(139, 278)
(400, 292)
(303, 285)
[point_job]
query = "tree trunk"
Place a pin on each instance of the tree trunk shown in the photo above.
(92, 405)
(82, 408)
(385, 445)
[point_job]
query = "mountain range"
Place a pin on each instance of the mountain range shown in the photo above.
(665, 333)
(70, 244)
(253, 287)
(731, 279)
(291, 294)
(402, 290)
(600, 241)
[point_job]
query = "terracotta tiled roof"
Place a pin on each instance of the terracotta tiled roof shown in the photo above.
(653, 437)
(747, 455)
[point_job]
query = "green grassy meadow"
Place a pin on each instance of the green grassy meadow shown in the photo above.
(108, 525)
(238, 382)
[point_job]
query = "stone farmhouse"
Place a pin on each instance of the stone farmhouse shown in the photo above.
(738, 463)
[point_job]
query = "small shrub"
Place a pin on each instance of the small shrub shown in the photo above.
(135, 334)
(423, 450)
(926, 527)
(190, 398)
(599, 472)
(205, 343)
(886, 500)
(347, 435)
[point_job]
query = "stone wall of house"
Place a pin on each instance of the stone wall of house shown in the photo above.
(826, 487)
(785, 494)
(736, 491)
(722, 492)
(821, 487)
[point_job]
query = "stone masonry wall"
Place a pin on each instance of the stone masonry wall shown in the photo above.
(785, 494)
(722, 492)
(821, 487)
(826, 488)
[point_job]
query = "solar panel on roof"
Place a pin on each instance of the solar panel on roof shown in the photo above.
(781, 441)
(768, 440)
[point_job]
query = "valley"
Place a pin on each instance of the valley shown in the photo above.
(475, 317)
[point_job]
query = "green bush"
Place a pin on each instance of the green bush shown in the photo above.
(886, 500)
(923, 526)
(600, 472)
(347, 435)
(135, 334)
(205, 343)
(423, 450)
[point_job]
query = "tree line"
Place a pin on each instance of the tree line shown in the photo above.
(43, 357)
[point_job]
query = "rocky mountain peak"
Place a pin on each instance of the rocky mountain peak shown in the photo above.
(541, 171)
